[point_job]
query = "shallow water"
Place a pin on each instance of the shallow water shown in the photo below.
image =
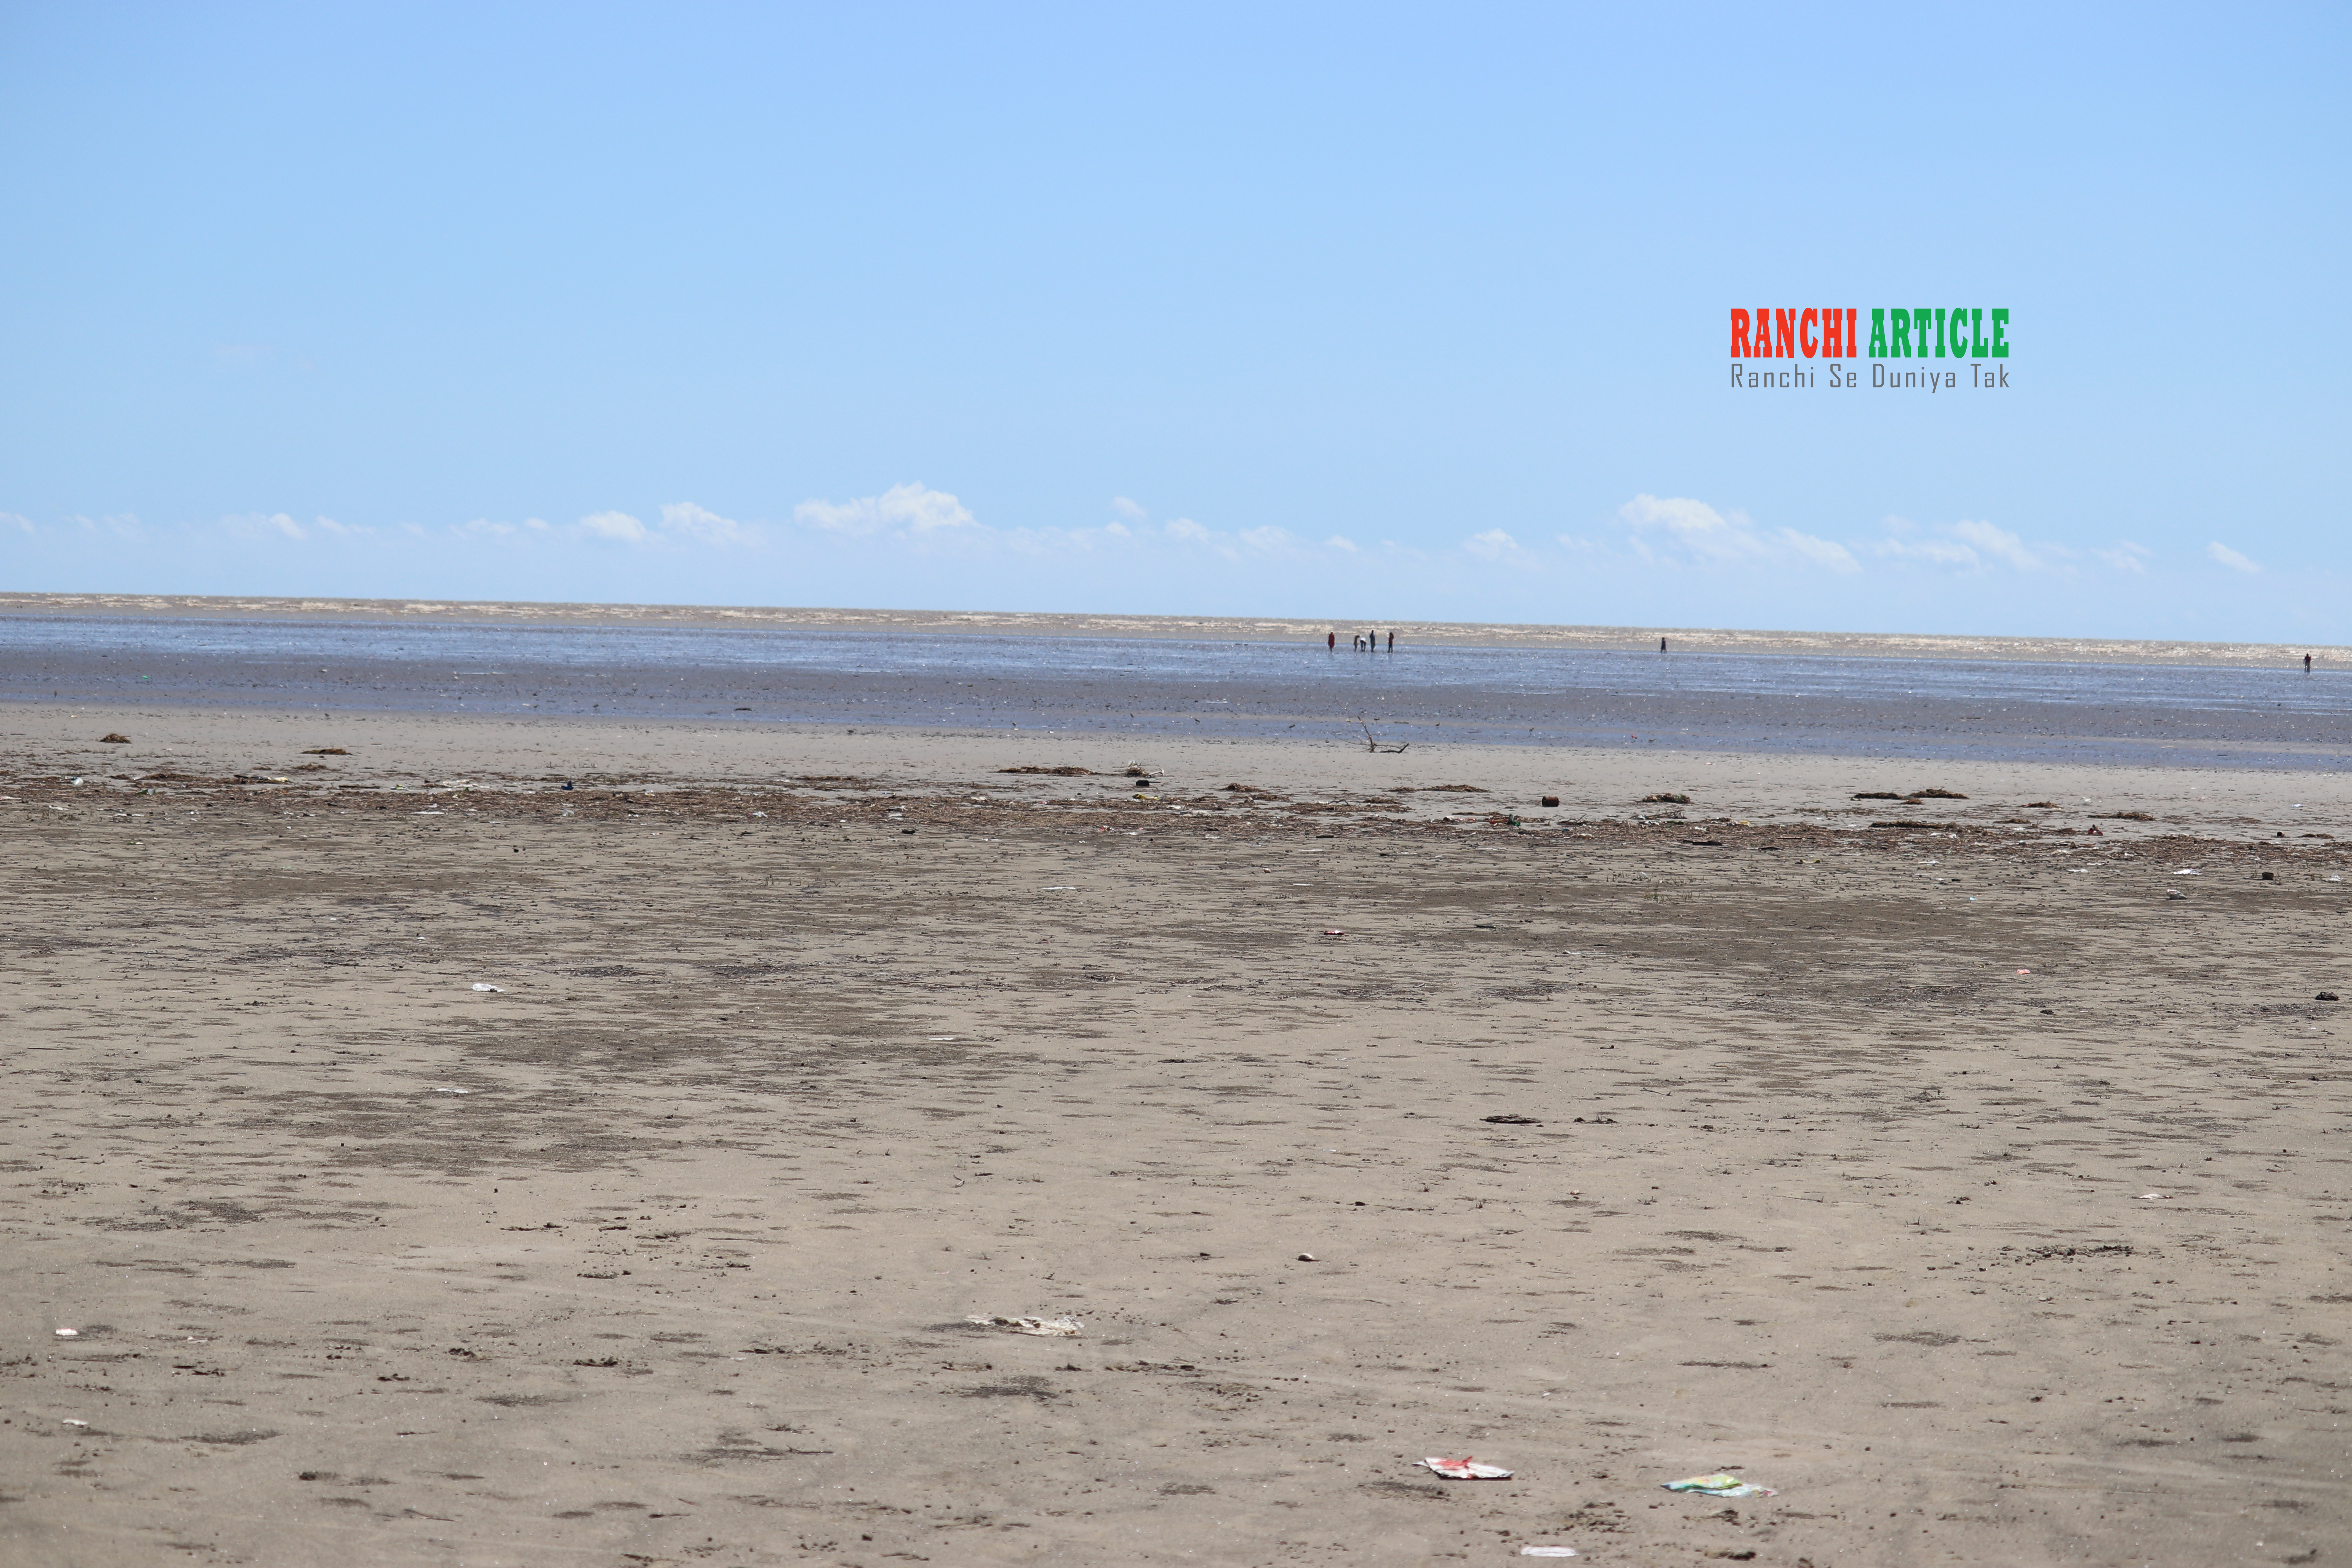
(2138, 713)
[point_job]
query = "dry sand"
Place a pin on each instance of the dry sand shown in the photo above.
(1950, 1178)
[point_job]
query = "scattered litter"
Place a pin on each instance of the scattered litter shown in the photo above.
(1466, 1469)
(2025, 971)
(1062, 887)
(2186, 871)
(111, 739)
(71, 1422)
(326, 752)
(1551, 800)
(68, 1333)
(1547, 1551)
(2327, 996)
(1308, 1258)
(484, 985)
(2174, 893)
(2146, 1196)
(1335, 931)
(1052, 1327)
(1719, 1486)
(439, 1089)
(1512, 1121)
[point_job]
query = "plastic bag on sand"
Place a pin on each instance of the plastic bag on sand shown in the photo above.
(482, 985)
(1547, 1551)
(1051, 1327)
(1466, 1469)
(1719, 1486)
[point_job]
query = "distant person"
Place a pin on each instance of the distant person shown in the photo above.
(1331, 642)
(2306, 664)
(1392, 642)
(1661, 645)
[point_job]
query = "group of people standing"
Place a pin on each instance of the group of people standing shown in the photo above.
(1365, 642)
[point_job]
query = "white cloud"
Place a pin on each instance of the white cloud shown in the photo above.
(1140, 536)
(905, 514)
(264, 525)
(1999, 543)
(1701, 531)
(681, 521)
(2125, 556)
(686, 520)
(1695, 526)
(1970, 547)
(1821, 551)
(1272, 540)
(615, 525)
(908, 509)
(1935, 552)
(252, 526)
(2231, 558)
(21, 524)
(1226, 547)
(1492, 545)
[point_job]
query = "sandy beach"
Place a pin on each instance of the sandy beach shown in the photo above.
(438, 1165)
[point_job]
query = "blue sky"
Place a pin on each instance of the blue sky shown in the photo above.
(1360, 310)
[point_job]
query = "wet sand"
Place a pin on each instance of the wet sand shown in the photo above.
(1251, 628)
(809, 1046)
(1934, 710)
